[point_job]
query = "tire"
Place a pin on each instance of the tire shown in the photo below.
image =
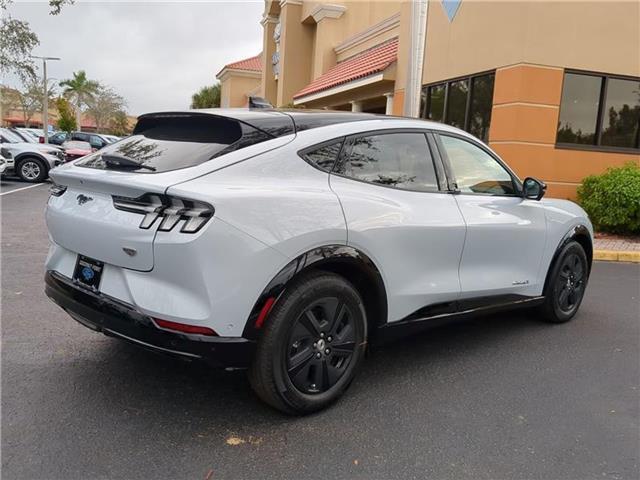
(566, 284)
(313, 345)
(32, 170)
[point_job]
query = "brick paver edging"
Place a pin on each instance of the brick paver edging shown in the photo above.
(616, 256)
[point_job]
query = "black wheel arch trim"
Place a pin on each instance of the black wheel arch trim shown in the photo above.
(579, 233)
(333, 258)
(33, 155)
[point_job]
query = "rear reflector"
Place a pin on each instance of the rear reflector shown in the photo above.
(266, 308)
(184, 328)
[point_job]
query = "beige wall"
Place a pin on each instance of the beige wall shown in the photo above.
(602, 36)
(236, 86)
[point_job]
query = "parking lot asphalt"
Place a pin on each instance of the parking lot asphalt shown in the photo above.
(503, 397)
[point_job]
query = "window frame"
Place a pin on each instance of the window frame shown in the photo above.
(453, 185)
(469, 100)
(436, 159)
(604, 83)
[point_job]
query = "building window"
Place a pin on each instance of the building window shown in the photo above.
(464, 103)
(600, 111)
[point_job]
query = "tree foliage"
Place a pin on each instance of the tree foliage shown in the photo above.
(17, 40)
(66, 118)
(80, 91)
(120, 124)
(103, 106)
(206, 97)
(31, 97)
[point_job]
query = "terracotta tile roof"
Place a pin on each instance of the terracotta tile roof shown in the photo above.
(253, 63)
(362, 65)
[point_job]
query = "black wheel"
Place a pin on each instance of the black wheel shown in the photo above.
(312, 346)
(566, 284)
(32, 170)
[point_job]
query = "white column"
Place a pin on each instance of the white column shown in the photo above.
(356, 106)
(389, 107)
(418, 26)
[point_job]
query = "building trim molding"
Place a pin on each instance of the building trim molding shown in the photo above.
(225, 73)
(268, 19)
(284, 3)
(327, 10)
(361, 82)
(525, 104)
(381, 27)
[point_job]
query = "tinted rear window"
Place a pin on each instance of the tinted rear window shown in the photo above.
(171, 142)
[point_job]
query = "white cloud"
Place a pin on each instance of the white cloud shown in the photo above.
(155, 54)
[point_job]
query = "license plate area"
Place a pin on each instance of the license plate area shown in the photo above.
(88, 272)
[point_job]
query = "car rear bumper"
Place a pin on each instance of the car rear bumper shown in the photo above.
(114, 318)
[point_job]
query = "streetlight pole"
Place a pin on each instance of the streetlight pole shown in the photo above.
(45, 99)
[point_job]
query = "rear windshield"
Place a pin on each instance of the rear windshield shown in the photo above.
(169, 142)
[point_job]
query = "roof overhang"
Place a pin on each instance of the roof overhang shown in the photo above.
(226, 73)
(376, 78)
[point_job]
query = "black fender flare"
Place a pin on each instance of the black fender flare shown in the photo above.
(336, 258)
(579, 233)
(22, 155)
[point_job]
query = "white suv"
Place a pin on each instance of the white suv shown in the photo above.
(285, 242)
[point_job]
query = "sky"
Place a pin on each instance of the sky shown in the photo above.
(154, 54)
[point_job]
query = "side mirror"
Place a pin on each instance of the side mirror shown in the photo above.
(533, 189)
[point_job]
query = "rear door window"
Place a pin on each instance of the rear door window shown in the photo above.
(399, 160)
(169, 142)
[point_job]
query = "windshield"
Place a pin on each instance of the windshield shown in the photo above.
(10, 136)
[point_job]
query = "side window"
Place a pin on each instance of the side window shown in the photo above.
(82, 137)
(475, 170)
(96, 142)
(325, 156)
(400, 160)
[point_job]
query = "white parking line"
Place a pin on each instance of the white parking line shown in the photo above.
(20, 189)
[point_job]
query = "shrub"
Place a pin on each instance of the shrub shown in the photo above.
(612, 199)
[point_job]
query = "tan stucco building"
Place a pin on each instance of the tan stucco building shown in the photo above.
(553, 87)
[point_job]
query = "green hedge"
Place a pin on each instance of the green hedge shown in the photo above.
(612, 199)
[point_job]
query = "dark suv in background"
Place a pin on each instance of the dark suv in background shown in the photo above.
(94, 139)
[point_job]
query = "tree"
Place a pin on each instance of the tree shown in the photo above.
(104, 105)
(79, 90)
(18, 40)
(31, 98)
(66, 117)
(120, 124)
(206, 97)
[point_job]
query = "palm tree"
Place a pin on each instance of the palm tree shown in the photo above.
(79, 89)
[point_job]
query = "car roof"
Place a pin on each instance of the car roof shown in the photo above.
(279, 122)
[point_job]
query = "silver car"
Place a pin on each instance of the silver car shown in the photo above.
(30, 161)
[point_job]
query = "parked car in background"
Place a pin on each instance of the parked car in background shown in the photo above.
(96, 140)
(5, 161)
(287, 241)
(76, 149)
(24, 135)
(31, 161)
(112, 138)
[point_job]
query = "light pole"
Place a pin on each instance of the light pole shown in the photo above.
(45, 100)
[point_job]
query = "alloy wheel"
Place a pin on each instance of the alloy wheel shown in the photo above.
(30, 170)
(570, 283)
(321, 345)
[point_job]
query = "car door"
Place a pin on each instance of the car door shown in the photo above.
(506, 233)
(399, 214)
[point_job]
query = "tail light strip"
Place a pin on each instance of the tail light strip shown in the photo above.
(171, 210)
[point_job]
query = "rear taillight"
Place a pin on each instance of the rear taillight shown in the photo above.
(170, 211)
(57, 190)
(183, 327)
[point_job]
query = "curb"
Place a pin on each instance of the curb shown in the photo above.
(616, 256)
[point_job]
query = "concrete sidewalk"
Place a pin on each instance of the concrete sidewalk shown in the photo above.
(616, 249)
